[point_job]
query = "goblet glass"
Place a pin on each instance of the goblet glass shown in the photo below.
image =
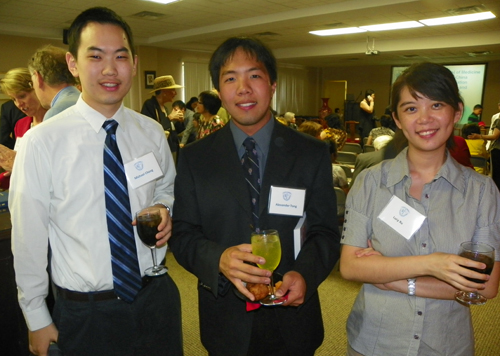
(481, 252)
(267, 244)
(147, 221)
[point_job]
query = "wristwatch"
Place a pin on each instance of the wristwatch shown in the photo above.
(411, 286)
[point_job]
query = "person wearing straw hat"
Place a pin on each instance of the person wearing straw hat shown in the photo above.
(154, 107)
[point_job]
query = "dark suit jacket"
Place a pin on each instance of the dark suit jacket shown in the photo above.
(212, 212)
(10, 116)
(151, 108)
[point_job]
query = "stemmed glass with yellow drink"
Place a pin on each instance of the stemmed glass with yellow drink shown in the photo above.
(267, 244)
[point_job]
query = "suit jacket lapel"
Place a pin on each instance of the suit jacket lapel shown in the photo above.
(228, 170)
(279, 164)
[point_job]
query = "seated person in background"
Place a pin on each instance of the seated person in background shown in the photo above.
(192, 103)
(188, 134)
(209, 104)
(282, 120)
(311, 128)
(333, 121)
(9, 117)
(290, 118)
(340, 136)
(474, 118)
(339, 176)
(385, 121)
(368, 159)
(476, 147)
(460, 152)
(18, 85)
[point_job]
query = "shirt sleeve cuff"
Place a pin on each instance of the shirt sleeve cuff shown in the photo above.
(38, 318)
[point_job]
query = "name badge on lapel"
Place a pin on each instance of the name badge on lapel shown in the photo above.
(401, 217)
(286, 201)
(142, 170)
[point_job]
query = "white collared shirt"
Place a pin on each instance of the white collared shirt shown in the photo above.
(57, 195)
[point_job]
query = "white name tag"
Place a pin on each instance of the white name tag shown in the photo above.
(286, 201)
(142, 170)
(402, 217)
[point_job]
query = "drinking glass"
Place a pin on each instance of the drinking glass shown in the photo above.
(147, 221)
(267, 244)
(481, 252)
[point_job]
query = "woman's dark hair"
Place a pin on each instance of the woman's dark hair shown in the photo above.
(191, 101)
(470, 129)
(179, 103)
(369, 92)
(211, 101)
(434, 81)
(253, 47)
(100, 15)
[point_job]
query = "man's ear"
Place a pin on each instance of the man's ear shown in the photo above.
(71, 61)
(39, 79)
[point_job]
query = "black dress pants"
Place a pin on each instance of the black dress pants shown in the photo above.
(149, 326)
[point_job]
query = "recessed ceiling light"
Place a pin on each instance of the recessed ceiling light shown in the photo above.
(162, 1)
(392, 26)
(337, 31)
(458, 19)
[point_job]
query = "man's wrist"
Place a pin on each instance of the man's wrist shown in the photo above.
(164, 205)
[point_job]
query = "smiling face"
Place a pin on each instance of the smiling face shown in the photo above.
(105, 66)
(426, 123)
(246, 91)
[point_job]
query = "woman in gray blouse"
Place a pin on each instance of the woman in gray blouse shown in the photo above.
(405, 220)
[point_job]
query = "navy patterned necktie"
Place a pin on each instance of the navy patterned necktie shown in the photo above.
(125, 265)
(250, 164)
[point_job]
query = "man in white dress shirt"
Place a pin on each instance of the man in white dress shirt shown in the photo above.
(58, 197)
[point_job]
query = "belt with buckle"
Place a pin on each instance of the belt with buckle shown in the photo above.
(95, 296)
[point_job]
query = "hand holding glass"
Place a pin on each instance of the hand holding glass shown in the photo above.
(147, 221)
(267, 245)
(480, 252)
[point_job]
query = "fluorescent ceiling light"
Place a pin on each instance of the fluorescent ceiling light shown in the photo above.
(392, 26)
(163, 1)
(337, 31)
(458, 19)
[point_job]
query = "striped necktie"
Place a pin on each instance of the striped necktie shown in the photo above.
(125, 265)
(250, 164)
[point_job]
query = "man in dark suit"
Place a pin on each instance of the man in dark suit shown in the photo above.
(213, 215)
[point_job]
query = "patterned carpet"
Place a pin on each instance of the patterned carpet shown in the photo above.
(337, 297)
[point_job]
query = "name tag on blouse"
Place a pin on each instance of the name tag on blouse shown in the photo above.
(286, 201)
(402, 217)
(142, 170)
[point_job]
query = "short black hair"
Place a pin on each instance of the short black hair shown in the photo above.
(252, 47)
(211, 101)
(470, 129)
(386, 121)
(478, 106)
(369, 92)
(179, 103)
(100, 15)
(191, 101)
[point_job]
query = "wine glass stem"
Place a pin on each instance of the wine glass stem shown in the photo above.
(272, 286)
(153, 254)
